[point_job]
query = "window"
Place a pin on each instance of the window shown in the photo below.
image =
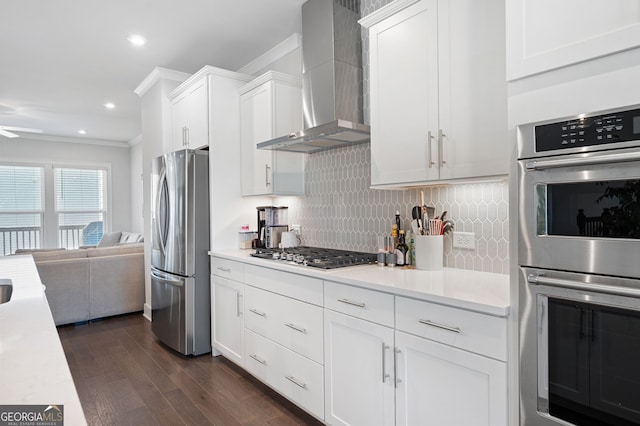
(80, 206)
(21, 208)
(51, 206)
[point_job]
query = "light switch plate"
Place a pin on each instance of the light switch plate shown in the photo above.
(297, 228)
(465, 240)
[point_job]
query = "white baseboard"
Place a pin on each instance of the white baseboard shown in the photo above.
(147, 312)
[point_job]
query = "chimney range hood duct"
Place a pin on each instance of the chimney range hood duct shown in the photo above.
(331, 79)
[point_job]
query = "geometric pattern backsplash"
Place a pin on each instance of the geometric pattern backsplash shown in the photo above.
(341, 211)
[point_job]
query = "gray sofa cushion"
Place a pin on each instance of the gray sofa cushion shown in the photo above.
(110, 239)
(115, 250)
(43, 256)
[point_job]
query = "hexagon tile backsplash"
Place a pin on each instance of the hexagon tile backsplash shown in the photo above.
(340, 210)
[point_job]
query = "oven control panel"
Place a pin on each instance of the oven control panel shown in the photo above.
(622, 126)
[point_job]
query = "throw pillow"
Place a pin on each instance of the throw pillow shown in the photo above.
(109, 239)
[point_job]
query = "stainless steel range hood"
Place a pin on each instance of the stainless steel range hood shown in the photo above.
(331, 79)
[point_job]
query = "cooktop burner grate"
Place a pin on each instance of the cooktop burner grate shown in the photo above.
(316, 257)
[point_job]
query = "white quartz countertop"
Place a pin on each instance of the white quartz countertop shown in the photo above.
(33, 367)
(483, 292)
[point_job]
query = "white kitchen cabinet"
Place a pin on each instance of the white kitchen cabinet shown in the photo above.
(543, 35)
(227, 318)
(191, 116)
(359, 387)
(438, 99)
(192, 102)
(270, 106)
(445, 386)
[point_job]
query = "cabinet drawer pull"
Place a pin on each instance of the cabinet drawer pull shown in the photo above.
(296, 382)
(262, 314)
(384, 362)
(227, 270)
(441, 326)
(300, 329)
(260, 360)
(238, 308)
(352, 303)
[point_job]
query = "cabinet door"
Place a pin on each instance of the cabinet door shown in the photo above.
(227, 320)
(472, 131)
(198, 115)
(179, 107)
(359, 378)
(256, 126)
(442, 386)
(404, 96)
(546, 34)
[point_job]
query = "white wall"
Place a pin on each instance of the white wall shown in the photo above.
(137, 201)
(53, 151)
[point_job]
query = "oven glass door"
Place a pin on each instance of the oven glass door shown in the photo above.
(579, 349)
(593, 370)
(581, 214)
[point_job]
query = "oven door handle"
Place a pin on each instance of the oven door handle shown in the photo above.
(579, 285)
(608, 158)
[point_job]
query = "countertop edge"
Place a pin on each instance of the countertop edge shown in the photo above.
(336, 276)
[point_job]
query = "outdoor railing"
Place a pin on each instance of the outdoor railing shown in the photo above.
(30, 237)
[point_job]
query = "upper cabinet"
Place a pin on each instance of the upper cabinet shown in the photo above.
(192, 105)
(438, 93)
(270, 106)
(545, 34)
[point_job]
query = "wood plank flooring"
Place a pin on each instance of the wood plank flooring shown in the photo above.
(125, 376)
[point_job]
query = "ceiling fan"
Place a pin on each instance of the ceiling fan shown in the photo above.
(7, 131)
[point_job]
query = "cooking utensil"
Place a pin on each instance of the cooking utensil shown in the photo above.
(416, 213)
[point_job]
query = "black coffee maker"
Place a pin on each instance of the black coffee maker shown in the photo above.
(272, 222)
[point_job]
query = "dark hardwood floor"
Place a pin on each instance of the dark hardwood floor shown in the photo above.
(124, 375)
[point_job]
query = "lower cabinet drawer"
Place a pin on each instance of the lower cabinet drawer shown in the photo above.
(363, 303)
(294, 376)
(472, 331)
(294, 324)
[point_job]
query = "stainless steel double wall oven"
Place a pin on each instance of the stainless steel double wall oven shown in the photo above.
(579, 257)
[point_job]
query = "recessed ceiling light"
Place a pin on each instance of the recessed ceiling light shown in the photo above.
(109, 105)
(137, 40)
(82, 132)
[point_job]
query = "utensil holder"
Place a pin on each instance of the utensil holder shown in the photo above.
(429, 252)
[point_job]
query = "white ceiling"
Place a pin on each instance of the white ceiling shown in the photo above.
(61, 60)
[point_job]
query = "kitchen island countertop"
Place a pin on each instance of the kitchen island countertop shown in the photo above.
(33, 366)
(483, 292)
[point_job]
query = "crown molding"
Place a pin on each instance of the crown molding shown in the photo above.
(158, 74)
(209, 70)
(385, 11)
(135, 141)
(286, 46)
(291, 80)
(70, 139)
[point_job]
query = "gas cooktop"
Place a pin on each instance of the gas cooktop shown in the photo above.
(315, 257)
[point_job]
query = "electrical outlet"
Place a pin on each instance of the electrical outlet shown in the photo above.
(466, 240)
(297, 228)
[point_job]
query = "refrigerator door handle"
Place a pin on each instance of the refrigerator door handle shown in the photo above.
(164, 278)
(162, 227)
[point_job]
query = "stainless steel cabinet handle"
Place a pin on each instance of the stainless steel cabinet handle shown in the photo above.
(384, 362)
(430, 159)
(300, 329)
(260, 360)
(227, 270)
(396, 352)
(238, 310)
(266, 174)
(262, 314)
(186, 141)
(441, 161)
(294, 381)
(184, 134)
(352, 303)
(442, 326)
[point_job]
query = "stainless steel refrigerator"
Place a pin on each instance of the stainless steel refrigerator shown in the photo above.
(180, 286)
